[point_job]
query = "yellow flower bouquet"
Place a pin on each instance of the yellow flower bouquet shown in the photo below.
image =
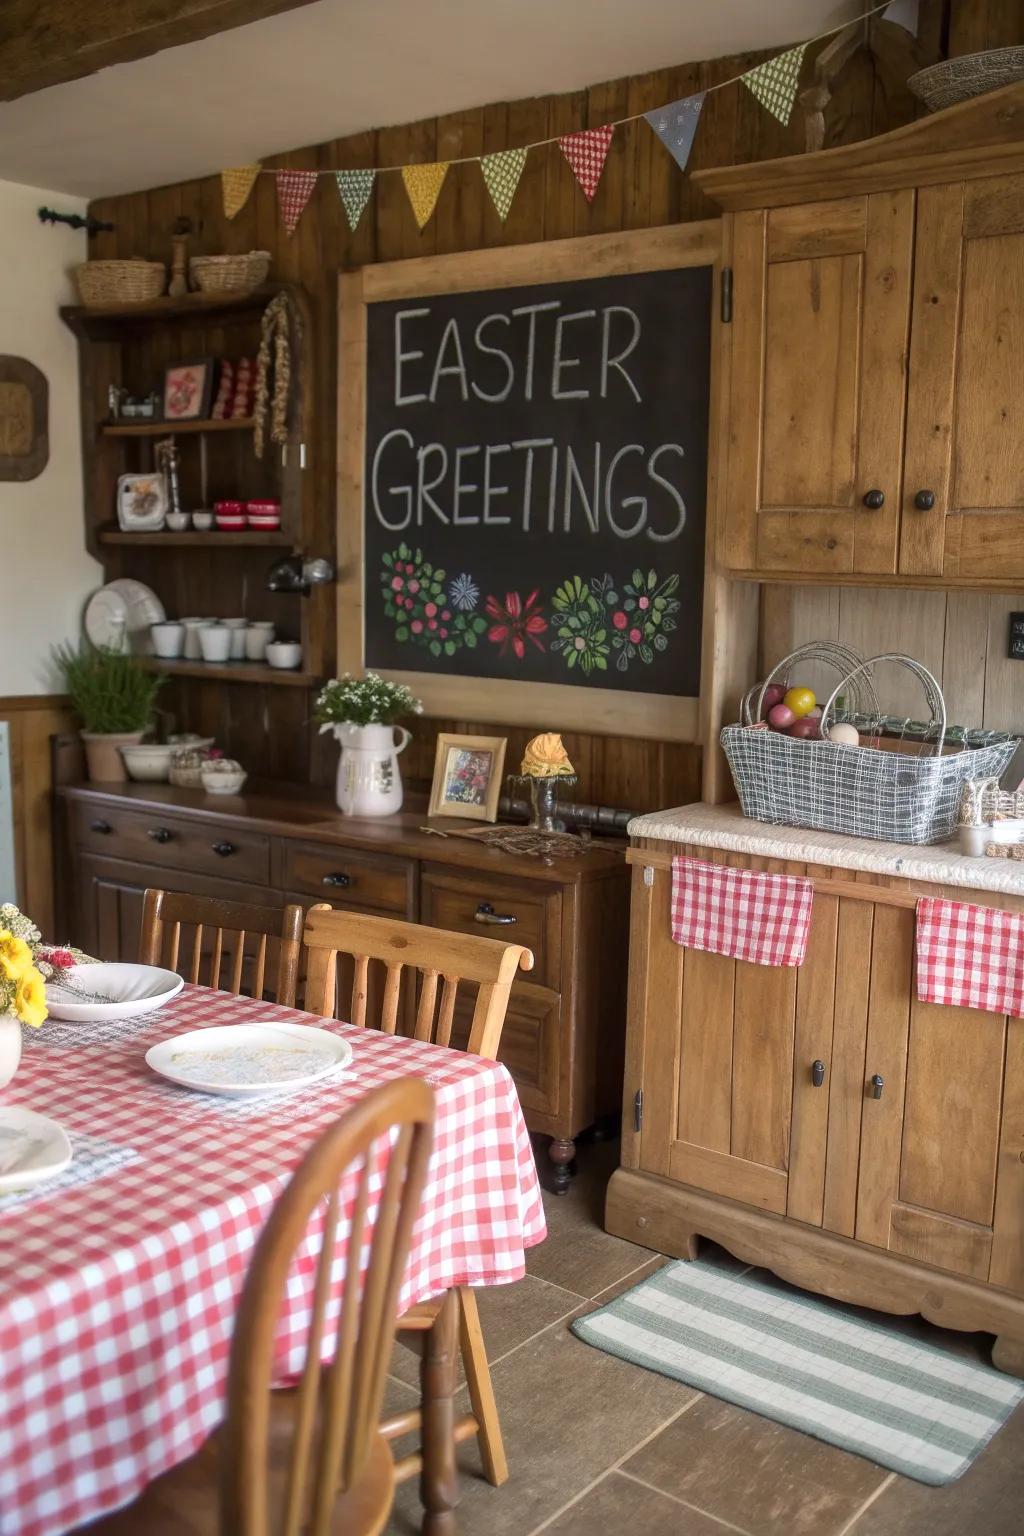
(26, 965)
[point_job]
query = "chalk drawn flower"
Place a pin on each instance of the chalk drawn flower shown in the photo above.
(581, 637)
(464, 593)
(643, 614)
(514, 622)
(413, 592)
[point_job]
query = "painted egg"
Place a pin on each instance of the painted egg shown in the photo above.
(801, 701)
(806, 729)
(773, 694)
(781, 717)
(845, 735)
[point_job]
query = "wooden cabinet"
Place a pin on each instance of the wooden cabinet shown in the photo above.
(820, 1119)
(873, 424)
(564, 1032)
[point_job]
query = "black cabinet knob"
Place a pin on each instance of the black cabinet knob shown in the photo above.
(485, 913)
(924, 501)
(877, 1084)
(818, 1073)
(874, 499)
(339, 881)
(224, 849)
(101, 826)
(161, 834)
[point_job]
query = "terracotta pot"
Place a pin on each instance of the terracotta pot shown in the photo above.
(10, 1049)
(103, 760)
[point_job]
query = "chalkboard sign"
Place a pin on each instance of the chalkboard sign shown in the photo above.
(534, 481)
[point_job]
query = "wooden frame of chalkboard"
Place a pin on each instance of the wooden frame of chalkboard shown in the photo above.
(512, 699)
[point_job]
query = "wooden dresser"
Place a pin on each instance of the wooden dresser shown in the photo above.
(563, 1037)
(821, 1120)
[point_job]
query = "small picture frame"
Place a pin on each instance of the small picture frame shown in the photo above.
(188, 390)
(467, 776)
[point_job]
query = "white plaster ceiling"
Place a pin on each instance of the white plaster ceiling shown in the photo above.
(338, 66)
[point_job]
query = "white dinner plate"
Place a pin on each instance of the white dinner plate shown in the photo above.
(121, 613)
(242, 1061)
(32, 1148)
(103, 992)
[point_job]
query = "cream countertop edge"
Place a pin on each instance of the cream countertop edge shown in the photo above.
(723, 826)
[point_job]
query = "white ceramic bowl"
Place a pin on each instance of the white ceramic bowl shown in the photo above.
(148, 764)
(203, 521)
(115, 991)
(177, 522)
(286, 654)
(222, 777)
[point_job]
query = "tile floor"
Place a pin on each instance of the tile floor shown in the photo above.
(596, 1445)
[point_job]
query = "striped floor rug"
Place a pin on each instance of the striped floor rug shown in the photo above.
(810, 1364)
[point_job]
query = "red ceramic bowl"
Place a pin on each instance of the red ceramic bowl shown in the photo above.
(230, 524)
(229, 508)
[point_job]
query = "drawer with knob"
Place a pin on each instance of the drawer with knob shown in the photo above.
(497, 907)
(370, 881)
(168, 841)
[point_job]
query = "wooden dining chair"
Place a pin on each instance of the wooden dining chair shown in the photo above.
(222, 929)
(312, 1460)
(423, 971)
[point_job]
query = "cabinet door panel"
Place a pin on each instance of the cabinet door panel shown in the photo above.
(892, 954)
(846, 1075)
(1008, 1236)
(965, 424)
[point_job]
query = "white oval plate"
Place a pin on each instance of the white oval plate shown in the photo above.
(32, 1148)
(124, 992)
(243, 1061)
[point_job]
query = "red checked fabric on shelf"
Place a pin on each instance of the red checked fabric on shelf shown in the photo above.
(740, 912)
(969, 956)
(118, 1298)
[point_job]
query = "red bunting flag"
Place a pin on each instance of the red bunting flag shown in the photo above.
(586, 152)
(294, 190)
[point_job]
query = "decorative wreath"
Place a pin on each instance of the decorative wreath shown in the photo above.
(280, 328)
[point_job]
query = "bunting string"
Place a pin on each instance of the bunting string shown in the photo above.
(774, 83)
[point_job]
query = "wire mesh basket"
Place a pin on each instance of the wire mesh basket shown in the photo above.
(893, 796)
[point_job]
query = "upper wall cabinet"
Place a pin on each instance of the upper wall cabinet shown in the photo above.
(874, 424)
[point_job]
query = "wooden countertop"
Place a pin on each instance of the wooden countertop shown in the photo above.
(724, 826)
(300, 811)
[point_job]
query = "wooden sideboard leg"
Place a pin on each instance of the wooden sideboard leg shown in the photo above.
(1008, 1355)
(561, 1154)
(439, 1483)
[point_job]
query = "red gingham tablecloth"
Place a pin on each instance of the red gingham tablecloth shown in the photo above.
(742, 913)
(117, 1298)
(970, 956)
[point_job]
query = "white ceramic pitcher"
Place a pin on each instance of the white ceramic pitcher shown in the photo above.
(369, 779)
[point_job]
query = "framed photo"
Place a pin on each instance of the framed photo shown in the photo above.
(467, 776)
(188, 390)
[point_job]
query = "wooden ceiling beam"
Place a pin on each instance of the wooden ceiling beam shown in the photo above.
(48, 42)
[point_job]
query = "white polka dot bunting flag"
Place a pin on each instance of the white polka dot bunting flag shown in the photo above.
(587, 152)
(294, 190)
(501, 174)
(355, 188)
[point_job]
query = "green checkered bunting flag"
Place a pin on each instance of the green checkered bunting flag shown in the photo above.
(774, 83)
(676, 125)
(355, 188)
(501, 175)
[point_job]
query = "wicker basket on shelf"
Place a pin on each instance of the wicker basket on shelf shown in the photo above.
(894, 796)
(120, 282)
(972, 74)
(229, 274)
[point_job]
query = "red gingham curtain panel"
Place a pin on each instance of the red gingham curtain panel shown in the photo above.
(740, 912)
(970, 957)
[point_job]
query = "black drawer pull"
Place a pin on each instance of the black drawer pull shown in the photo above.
(817, 1073)
(101, 826)
(224, 849)
(874, 500)
(877, 1084)
(485, 913)
(161, 834)
(339, 881)
(924, 501)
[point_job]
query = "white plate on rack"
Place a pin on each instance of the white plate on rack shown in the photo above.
(244, 1061)
(123, 609)
(32, 1148)
(94, 993)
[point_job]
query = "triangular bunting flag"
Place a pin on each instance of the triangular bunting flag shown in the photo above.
(355, 188)
(423, 183)
(236, 184)
(676, 125)
(905, 13)
(294, 190)
(586, 152)
(501, 175)
(774, 83)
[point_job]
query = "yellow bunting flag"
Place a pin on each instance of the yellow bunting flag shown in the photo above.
(236, 184)
(423, 184)
(774, 83)
(294, 190)
(501, 175)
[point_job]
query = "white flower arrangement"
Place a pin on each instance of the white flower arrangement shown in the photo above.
(369, 700)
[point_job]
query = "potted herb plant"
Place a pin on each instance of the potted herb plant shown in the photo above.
(113, 696)
(363, 713)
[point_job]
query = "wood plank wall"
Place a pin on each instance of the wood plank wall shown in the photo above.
(32, 721)
(641, 187)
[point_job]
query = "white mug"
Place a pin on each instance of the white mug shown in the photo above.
(168, 640)
(237, 628)
(256, 639)
(215, 642)
(285, 654)
(193, 651)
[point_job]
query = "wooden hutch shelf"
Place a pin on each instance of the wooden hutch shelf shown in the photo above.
(195, 307)
(172, 428)
(232, 672)
(248, 539)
